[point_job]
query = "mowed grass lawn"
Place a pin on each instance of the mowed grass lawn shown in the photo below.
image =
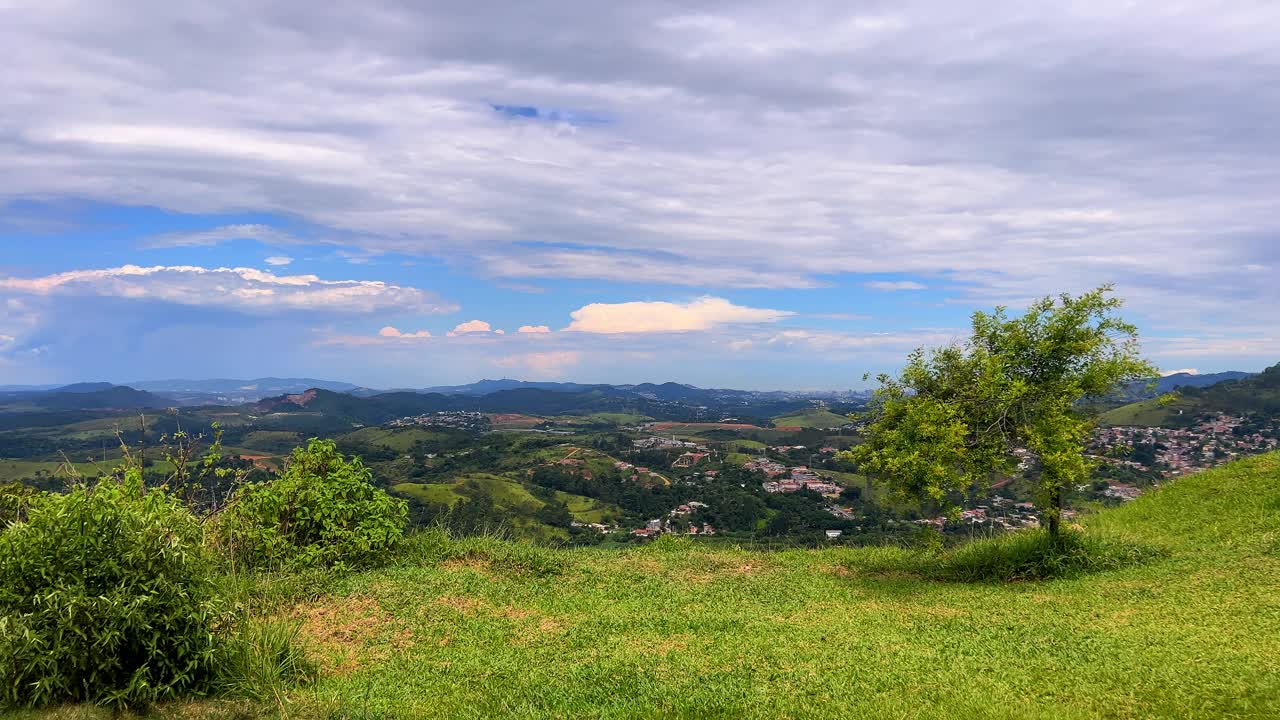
(483, 629)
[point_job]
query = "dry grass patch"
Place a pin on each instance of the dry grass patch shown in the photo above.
(660, 647)
(344, 634)
(532, 625)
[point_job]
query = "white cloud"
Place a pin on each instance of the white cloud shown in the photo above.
(471, 327)
(892, 343)
(278, 260)
(542, 365)
(894, 286)
(262, 233)
(243, 289)
(392, 332)
(534, 329)
(1188, 371)
(650, 317)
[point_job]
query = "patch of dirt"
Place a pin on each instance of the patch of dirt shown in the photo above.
(705, 570)
(464, 605)
(344, 633)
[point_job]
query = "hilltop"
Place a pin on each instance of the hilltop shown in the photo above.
(81, 396)
(484, 628)
(1249, 393)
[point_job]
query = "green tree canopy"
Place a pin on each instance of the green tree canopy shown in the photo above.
(961, 413)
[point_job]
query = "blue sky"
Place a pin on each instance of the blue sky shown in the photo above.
(753, 195)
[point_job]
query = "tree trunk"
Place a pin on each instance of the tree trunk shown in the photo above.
(1054, 514)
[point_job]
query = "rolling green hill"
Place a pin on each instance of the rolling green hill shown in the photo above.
(1149, 413)
(811, 419)
(398, 439)
(514, 500)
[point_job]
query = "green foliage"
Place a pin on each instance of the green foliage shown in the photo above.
(323, 511)
(106, 595)
(958, 413)
(1037, 555)
(15, 498)
(263, 660)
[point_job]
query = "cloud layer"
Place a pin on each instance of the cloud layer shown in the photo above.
(242, 289)
(989, 151)
(709, 145)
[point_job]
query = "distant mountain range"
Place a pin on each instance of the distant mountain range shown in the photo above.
(671, 401)
(82, 396)
(1169, 383)
(1257, 392)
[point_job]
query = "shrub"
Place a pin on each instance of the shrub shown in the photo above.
(323, 511)
(1016, 556)
(1037, 555)
(15, 498)
(106, 595)
(263, 660)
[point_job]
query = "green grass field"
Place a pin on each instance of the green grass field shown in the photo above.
(812, 419)
(398, 439)
(509, 494)
(272, 441)
(485, 629)
(602, 418)
(19, 469)
(1146, 413)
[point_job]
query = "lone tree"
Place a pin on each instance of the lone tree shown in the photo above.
(963, 413)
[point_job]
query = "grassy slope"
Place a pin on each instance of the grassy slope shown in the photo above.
(508, 494)
(1147, 413)
(812, 419)
(398, 439)
(677, 630)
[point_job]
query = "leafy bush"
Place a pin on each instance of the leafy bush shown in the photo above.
(106, 595)
(1016, 556)
(15, 498)
(323, 511)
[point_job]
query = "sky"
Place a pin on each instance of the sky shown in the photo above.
(730, 194)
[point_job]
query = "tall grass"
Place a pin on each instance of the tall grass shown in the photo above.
(495, 550)
(1011, 557)
(263, 660)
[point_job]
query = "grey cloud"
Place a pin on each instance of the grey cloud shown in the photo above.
(1006, 147)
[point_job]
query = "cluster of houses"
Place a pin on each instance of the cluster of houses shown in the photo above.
(999, 512)
(454, 419)
(802, 478)
(690, 459)
(598, 527)
(1121, 492)
(638, 472)
(676, 523)
(657, 442)
(793, 479)
(1180, 451)
(768, 466)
